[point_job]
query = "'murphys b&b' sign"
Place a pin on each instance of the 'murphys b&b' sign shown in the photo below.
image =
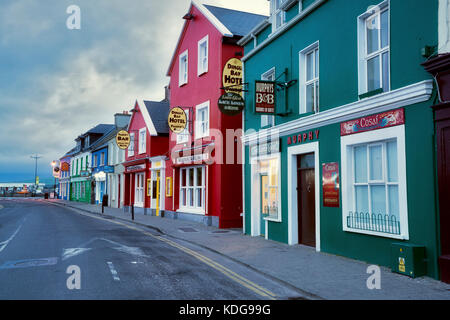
(265, 97)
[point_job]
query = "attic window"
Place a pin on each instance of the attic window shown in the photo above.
(278, 15)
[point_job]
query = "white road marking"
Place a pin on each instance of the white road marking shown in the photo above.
(113, 271)
(72, 252)
(5, 243)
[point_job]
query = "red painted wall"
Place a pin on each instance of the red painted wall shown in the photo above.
(224, 188)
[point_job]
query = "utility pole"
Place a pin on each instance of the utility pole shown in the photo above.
(35, 157)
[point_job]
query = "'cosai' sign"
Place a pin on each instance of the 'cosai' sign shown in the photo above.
(265, 97)
(232, 76)
(123, 139)
(177, 120)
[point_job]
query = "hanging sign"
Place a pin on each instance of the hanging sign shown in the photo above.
(233, 76)
(123, 139)
(378, 121)
(330, 184)
(64, 166)
(177, 120)
(231, 104)
(265, 97)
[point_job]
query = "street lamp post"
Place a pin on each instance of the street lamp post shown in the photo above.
(35, 157)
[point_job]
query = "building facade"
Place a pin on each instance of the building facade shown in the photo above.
(64, 176)
(81, 183)
(339, 151)
(145, 158)
(202, 187)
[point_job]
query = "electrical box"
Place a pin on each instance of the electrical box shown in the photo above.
(408, 259)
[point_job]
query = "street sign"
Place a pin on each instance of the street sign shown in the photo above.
(123, 139)
(231, 104)
(265, 97)
(177, 120)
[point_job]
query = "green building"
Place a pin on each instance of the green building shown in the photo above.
(81, 182)
(339, 133)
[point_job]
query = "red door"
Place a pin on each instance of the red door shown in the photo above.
(306, 199)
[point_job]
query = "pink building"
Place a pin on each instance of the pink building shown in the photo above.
(202, 190)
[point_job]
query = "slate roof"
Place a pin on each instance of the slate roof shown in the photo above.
(238, 22)
(101, 129)
(159, 112)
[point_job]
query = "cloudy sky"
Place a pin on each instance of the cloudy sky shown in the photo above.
(57, 83)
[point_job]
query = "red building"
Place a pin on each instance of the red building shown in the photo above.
(201, 184)
(145, 158)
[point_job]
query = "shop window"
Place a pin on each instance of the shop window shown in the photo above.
(374, 183)
(183, 136)
(192, 189)
(142, 140)
(268, 120)
(268, 171)
(183, 68)
(309, 79)
(373, 46)
(202, 56)
(202, 120)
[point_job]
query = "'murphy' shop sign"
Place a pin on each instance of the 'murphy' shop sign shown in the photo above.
(378, 121)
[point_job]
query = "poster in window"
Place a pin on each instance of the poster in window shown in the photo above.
(330, 184)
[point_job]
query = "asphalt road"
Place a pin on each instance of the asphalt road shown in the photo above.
(40, 242)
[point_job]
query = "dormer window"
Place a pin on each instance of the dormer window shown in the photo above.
(278, 15)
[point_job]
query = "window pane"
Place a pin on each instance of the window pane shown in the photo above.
(191, 197)
(372, 34)
(310, 66)
(384, 29)
(310, 98)
(199, 197)
(378, 199)
(373, 74)
(361, 199)
(316, 107)
(376, 162)
(361, 164)
(385, 71)
(199, 177)
(392, 166)
(183, 197)
(191, 177)
(316, 63)
(393, 201)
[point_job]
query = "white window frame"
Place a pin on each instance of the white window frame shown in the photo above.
(102, 159)
(372, 137)
(142, 142)
(274, 12)
(268, 120)
(202, 67)
(183, 137)
(131, 146)
(303, 82)
(363, 57)
(188, 208)
(183, 71)
(198, 123)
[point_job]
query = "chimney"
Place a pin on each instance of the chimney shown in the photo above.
(166, 94)
(121, 119)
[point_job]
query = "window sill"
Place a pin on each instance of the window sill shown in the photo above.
(190, 210)
(201, 73)
(278, 220)
(371, 93)
(182, 84)
(377, 234)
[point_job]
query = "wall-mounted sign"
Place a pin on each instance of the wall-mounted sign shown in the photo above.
(193, 158)
(231, 104)
(330, 184)
(65, 166)
(265, 98)
(123, 139)
(265, 148)
(378, 121)
(233, 76)
(177, 120)
(303, 137)
(138, 167)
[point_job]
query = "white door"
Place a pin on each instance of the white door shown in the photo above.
(139, 190)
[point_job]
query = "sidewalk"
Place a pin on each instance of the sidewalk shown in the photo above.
(324, 275)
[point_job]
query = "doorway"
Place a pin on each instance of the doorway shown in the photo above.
(306, 197)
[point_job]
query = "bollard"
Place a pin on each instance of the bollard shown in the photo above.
(132, 212)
